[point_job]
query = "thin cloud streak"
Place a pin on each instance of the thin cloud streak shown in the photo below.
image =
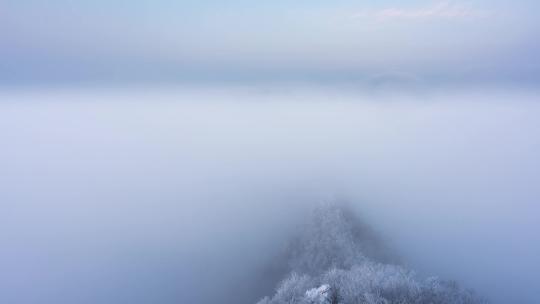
(440, 10)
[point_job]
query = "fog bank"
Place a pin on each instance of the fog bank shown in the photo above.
(186, 195)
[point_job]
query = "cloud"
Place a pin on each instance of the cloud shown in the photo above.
(440, 10)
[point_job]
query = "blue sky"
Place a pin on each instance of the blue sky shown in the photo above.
(163, 40)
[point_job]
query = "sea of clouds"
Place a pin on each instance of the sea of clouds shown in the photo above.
(187, 194)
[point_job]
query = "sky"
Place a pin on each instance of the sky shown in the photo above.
(66, 41)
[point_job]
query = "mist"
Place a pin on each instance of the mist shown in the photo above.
(187, 194)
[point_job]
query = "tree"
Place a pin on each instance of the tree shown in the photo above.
(329, 265)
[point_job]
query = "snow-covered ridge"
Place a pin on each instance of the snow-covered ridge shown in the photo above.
(329, 264)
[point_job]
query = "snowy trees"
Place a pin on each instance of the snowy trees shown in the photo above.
(322, 294)
(333, 238)
(369, 283)
(328, 266)
(327, 242)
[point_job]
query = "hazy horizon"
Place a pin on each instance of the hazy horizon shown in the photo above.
(457, 42)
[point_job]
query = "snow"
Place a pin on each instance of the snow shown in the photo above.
(320, 295)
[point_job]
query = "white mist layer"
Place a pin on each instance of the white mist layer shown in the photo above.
(177, 196)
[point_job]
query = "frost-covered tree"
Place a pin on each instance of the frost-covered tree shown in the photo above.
(336, 260)
(333, 238)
